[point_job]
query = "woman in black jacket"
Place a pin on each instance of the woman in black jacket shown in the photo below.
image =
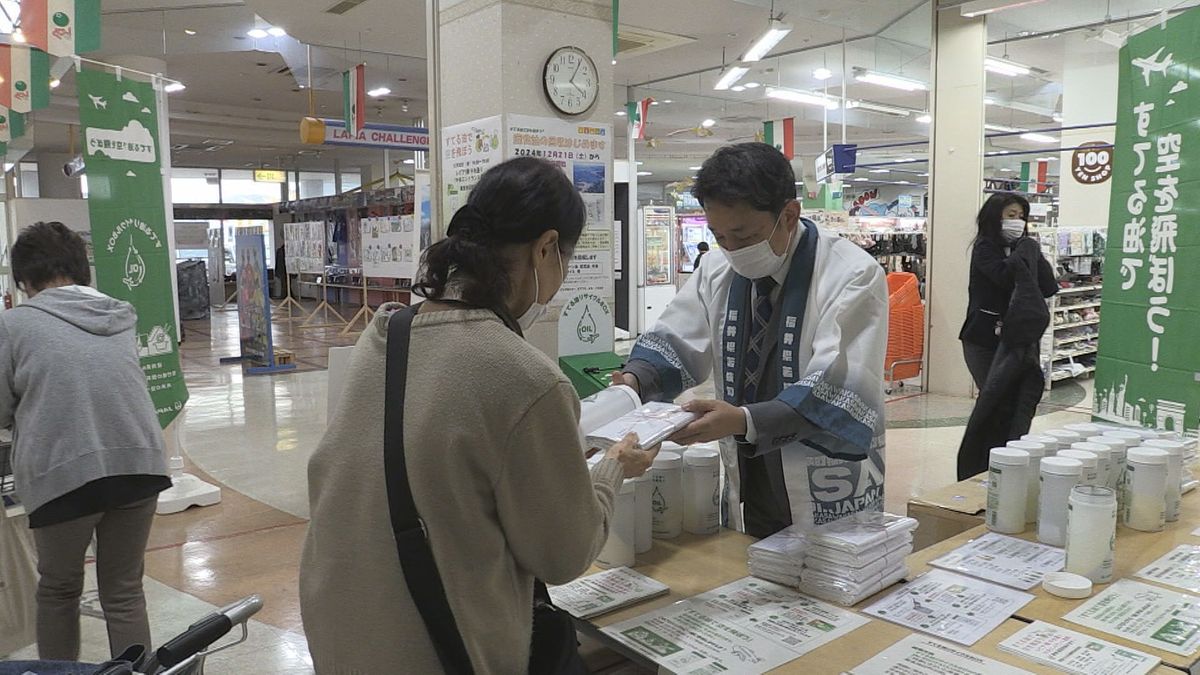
(1002, 222)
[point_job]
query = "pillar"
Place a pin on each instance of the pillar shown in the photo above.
(1090, 77)
(482, 76)
(52, 182)
(956, 188)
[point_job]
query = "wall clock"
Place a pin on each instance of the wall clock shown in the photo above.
(571, 80)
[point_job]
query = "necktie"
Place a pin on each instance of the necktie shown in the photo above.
(755, 348)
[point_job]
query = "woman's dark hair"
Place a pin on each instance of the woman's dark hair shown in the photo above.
(46, 252)
(988, 220)
(754, 174)
(514, 203)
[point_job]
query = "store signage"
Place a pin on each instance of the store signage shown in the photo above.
(386, 136)
(1092, 163)
(269, 176)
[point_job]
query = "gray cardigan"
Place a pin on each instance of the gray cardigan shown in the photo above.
(72, 386)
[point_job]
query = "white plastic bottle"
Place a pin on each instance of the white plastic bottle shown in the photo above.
(618, 548)
(1065, 437)
(1058, 475)
(666, 500)
(1131, 439)
(1052, 443)
(643, 519)
(1008, 484)
(1117, 448)
(1036, 452)
(1146, 489)
(701, 491)
(1085, 428)
(1091, 532)
(1175, 452)
(1091, 464)
(1103, 453)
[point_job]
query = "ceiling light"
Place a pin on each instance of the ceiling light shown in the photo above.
(620, 113)
(753, 85)
(666, 101)
(708, 123)
(731, 77)
(1001, 128)
(639, 163)
(18, 36)
(776, 31)
(695, 168)
(1057, 117)
(55, 83)
(983, 7)
(989, 101)
(737, 88)
(379, 91)
(1047, 159)
(805, 97)
(861, 180)
(276, 31)
(880, 171)
(879, 108)
(653, 102)
(903, 182)
(1007, 170)
(257, 33)
(188, 31)
(1005, 67)
(822, 73)
(410, 161)
(645, 173)
(892, 81)
(174, 87)
(925, 119)
(1039, 138)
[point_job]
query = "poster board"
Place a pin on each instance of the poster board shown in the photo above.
(390, 246)
(254, 306)
(468, 150)
(304, 247)
(1147, 370)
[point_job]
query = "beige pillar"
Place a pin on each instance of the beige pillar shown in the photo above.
(1090, 77)
(956, 188)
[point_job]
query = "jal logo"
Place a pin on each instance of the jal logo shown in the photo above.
(1092, 163)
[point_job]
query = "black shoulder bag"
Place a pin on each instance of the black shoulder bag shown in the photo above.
(554, 650)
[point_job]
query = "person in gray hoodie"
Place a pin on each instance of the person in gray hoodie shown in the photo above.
(88, 452)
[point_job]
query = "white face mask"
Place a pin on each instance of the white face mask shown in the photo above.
(759, 261)
(1013, 229)
(538, 309)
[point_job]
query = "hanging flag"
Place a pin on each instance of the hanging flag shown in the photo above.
(5, 125)
(26, 78)
(1043, 173)
(782, 135)
(354, 98)
(16, 124)
(61, 27)
(1025, 177)
(639, 114)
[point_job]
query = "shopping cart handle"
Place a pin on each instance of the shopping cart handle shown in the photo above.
(197, 637)
(241, 611)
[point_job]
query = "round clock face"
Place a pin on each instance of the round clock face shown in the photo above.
(571, 81)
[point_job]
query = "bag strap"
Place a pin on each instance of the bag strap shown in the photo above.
(412, 542)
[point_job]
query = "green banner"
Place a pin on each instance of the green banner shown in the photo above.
(129, 223)
(1148, 371)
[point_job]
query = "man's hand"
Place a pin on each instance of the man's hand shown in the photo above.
(619, 378)
(718, 420)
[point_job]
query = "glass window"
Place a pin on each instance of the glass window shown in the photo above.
(351, 180)
(29, 181)
(232, 226)
(195, 186)
(316, 184)
(238, 187)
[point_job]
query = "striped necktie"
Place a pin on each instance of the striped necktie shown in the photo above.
(756, 347)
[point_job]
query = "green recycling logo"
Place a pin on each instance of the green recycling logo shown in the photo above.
(61, 19)
(586, 330)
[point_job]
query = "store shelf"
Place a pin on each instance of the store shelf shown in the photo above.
(1079, 289)
(1078, 338)
(1077, 324)
(1082, 305)
(1066, 375)
(1079, 352)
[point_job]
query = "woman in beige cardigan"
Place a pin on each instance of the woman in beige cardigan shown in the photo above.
(492, 447)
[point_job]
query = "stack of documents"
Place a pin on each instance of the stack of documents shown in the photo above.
(853, 558)
(779, 557)
(653, 423)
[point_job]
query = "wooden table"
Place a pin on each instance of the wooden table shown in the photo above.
(947, 511)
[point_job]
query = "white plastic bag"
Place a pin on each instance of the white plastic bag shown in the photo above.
(18, 584)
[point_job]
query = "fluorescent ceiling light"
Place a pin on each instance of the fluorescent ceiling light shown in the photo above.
(18, 36)
(645, 173)
(925, 119)
(379, 91)
(410, 161)
(55, 83)
(903, 182)
(1005, 67)
(257, 33)
(174, 87)
(1039, 138)
(1047, 159)
(664, 101)
(822, 73)
(880, 171)
(188, 31)
(879, 108)
(984, 7)
(861, 180)
(708, 123)
(805, 97)
(776, 31)
(989, 101)
(695, 168)
(654, 102)
(737, 88)
(731, 77)
(1001, 128)
(1057, 117)
(276, 31)
(753, 85)
(1007, 170)
(891, 81)
(620, 113)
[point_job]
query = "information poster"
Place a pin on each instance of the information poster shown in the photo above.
(1179, 568)
(1145, 614)
(1073, 652)
(950, 606)
(1146, 370)
(748, 626)
(304, 247)
(390, 247)
(605, 592)
(468, 150)
(254, 304)
(658, 229)
(1004, 560)
(920, 655)
(133, 258)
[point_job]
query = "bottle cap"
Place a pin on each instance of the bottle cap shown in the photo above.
(1085, 428)
(1062, 466)
(1145, 433)
(1009, 457)
(1065, 435)
(701, 457)
(1173, 448)
(1067, 585)
(1089, 459)
(1050, 442)
(1144, 455)
(1034, 448)
(668, 460)
(1098, 449)
(1124, 435)
(1117, 445)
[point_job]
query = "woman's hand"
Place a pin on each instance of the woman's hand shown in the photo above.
(634, 459)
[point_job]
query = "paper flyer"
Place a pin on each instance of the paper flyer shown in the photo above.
(1179, 568)
(748, 626)
(1145, 614)
(920, 655)
(950, 606)
(1073, 652)
(605, 592)
(1004, 560)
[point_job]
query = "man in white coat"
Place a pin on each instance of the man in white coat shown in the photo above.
(792, 324)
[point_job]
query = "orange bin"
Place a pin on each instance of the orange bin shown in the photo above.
(906, 327)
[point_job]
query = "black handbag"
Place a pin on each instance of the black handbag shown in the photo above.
(554, 649)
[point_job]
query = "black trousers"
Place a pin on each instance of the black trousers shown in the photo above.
(979, 362)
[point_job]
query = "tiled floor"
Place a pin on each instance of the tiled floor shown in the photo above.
(253, 437)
